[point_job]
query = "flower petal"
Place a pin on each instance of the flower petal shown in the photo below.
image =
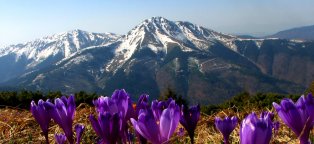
(169, 121)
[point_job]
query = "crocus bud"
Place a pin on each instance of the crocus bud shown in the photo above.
(41, 116)
(189, 119)
(79, 129)
(226, 126)
(62, 112)
(60, 138)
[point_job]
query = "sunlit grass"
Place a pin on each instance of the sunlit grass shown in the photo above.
(18, 126)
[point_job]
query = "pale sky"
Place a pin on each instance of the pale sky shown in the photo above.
(26, 20)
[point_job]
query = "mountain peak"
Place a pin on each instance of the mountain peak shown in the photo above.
(157, 33)
(153, 24)
(154, 33)
(157, 19)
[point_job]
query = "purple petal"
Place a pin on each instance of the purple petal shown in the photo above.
(146, 126)
(71, 107)
(309, 101)
(60, 138)
(130, 110)
(106, 104)
(141, 104)
(95, 125)
(107, 127)
(115, 127)
(290, 115)
(254, 130)
(121, 99)
(157, 108)
(301, 106)
(169, 121)
(104, 123)
(61, 110)
(64, 100)
(79, 129)
(51, 108)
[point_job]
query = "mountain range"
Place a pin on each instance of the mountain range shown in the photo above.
(202, 65)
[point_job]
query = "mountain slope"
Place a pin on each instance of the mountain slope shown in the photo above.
(300, 33)
(22, 58)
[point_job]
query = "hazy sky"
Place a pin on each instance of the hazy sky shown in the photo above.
(25, 20)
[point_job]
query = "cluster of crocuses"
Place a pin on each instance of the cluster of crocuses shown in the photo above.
(155, 123)
(298, 116)
(62, 112)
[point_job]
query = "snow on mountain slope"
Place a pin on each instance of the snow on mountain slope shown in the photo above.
(157, 33)
(63, 44)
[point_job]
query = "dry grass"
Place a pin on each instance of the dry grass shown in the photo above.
(18, 126)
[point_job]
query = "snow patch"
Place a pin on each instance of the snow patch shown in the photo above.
(79, 59)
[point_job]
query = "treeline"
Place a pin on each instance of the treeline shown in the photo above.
(22, 99)
(242, 101)
(245, 101)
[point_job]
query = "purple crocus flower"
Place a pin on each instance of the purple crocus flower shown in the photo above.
(254, 130)
(119, 102)
(141, 104)
(226, 126)
(297, 116)
(41, 116)
(189, 120)
(79, 129)
(60, 138)
(62, 112)
(107, 127)
(156, 130)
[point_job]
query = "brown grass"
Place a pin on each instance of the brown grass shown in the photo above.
(18, 126)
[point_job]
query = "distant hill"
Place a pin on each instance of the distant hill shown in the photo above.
(302, 33)
(246, 37)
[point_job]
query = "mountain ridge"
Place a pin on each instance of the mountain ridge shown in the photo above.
(203, 65)
(49, 49)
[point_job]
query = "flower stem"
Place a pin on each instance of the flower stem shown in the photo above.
(47, 139)
(226, 140)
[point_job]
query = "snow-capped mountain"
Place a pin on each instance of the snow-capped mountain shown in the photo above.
(48, 50)
(201, 64)
(157, 33)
